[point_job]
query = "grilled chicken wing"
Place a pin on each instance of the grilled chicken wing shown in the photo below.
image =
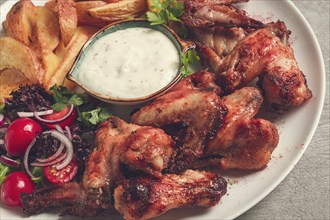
(243, 142)
(208, 13)
(144, 148)
(117, 142)
(67, 195)
(263, 54)
(193, 102)
(146, 197)
(221, 40)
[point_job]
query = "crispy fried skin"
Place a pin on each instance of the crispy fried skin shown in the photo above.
(146, 197)
(193, 102)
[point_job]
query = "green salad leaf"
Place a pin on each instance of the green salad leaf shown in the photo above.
(90, 111)
(188, 58)
(4, 171)
(164, 11)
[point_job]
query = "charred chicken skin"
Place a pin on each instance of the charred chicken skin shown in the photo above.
(263, 54)
(143, 148)
(146, 197)
(243, 142)
(209, 13)
(243, 49)
(193, 102)
(240, 141)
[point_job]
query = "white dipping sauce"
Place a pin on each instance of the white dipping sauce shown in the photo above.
(130, 63)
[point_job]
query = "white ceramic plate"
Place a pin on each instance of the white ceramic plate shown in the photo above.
(296, 127)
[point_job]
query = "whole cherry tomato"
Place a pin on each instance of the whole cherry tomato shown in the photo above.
(14, 184)
(58, 115)
(63, 175)
(19, 135)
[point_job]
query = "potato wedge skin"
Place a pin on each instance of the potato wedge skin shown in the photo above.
(10, 79)
(18, 21)
(16, 55)
(47, 28)
(121, 10)
(69, 55)
(84, 18)
(45, 39)
(67, 16)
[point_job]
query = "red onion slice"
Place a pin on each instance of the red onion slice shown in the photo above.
(57, 120)
(2, 119)
(68, 144)
(9, 162)
(3, 129)
(31, 114)
(52, 157)
(49, 163)
(59, 128)
(26, 157)
(68, 132)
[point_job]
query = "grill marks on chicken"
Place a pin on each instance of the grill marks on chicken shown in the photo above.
(193, 102)
(146, 197)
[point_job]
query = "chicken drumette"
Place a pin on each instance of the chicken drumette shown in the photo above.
(146, 197)
(243, 142)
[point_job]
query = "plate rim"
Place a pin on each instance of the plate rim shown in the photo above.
(313, 127)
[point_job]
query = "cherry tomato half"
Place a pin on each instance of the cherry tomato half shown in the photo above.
(61, 176)
(58, 115)
(19, 135)
(14, 184)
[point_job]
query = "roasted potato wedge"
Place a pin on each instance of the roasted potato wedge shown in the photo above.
(121, 10)
(18, 21)
(67, 16)
(10, 79)
(47, 28)
(69, 54)
(16, 55)
(45, 39)
(84, 18)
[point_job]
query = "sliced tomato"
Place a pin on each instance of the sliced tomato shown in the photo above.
(58, 115)
(61, 176)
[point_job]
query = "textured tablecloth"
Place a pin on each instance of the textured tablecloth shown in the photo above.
(304, 193)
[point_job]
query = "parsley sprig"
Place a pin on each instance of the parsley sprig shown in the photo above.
(164, 11)
(90, 111)
(187, 59)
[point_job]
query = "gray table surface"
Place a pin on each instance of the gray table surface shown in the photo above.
(304, 193)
